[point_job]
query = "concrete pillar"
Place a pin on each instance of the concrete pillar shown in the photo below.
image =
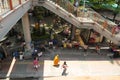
(73, 32)
(26, 30)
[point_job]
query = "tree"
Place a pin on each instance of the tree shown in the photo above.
(39, 12)
(111, 5)
(117, 10)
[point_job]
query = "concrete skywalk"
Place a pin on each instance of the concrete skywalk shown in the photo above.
(80, 22)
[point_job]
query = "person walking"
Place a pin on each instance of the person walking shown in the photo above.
(36, 63)
(64, 66)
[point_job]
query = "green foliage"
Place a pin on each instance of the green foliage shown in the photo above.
(39, 12)
(106, 4)
(42, 37)
(112, 5)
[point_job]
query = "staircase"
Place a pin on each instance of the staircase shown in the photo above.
(89, 19)
(10, 18)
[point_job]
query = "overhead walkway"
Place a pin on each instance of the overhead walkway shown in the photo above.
(9, 17)
(89, 19)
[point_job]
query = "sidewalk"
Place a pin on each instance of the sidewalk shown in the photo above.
(90, 67)
(77, 70)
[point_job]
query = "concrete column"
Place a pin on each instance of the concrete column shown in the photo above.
(73, 32)
(26, 30)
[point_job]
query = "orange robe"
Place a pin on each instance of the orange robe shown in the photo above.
(56, 60)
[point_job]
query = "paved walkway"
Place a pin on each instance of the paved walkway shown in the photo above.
(85, 78)
(90, 67)
(84, 68)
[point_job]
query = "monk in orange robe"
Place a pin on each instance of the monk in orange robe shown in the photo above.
(56, 60)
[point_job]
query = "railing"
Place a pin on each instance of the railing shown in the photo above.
(65, 4)
(4, 6)
(15, 3)
(7, 5)
(68, 6)
(107, 24)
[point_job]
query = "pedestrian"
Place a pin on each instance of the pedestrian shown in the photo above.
(85, 50)
(16, 54)
(64, 66)
(36, 63)
(50, 44)
(21, 55)
(56, 60)
(39, 55)
(98, 49)
(34, 54)
(76, 3)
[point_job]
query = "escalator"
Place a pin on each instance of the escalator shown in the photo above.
(89, 20)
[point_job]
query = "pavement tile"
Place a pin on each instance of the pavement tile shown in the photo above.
(79, 67)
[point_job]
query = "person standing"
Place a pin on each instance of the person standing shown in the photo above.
(85, 50)
(98, 49)
(76, 3)
(56, 60)
(16, 54)
(39, 55)
(21, 55)
(64, 66)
